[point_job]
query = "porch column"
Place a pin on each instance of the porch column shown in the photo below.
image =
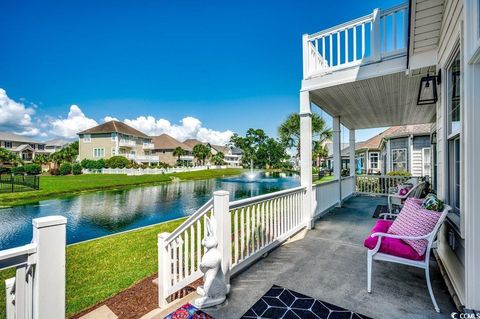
(471, 185)
(352, 157)
(337, 156)
(306, 156)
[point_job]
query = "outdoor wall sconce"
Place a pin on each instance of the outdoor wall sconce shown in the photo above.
(427, 93)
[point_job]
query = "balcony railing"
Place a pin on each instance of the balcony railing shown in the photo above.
(128, 143)
(377, 36)
(146, 158)
(148, 146)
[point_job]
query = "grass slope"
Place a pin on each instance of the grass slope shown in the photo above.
(57, 186)
(101, 268)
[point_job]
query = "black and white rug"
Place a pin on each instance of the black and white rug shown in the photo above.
(381, 209)
(282, 303)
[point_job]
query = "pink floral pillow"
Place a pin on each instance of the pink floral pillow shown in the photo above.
(403, 191)
(414, 221)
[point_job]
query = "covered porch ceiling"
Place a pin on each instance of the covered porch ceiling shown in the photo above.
(385, 100)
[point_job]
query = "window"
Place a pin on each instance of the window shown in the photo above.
(454, 90)
(454, 106)
(114, 151)
(41, 146)
(8, 144)
(399, 160)
(454, 174)
(373, 157)
(114, 137)
(98, 152)
(87, 138)
(426, 162)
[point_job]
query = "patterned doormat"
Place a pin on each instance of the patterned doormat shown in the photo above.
(381, 209)
(188, 311)
(282, 303)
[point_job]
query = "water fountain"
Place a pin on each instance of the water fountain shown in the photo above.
(252, 175)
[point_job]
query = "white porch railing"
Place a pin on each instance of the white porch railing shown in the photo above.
(371, 38)
(38, 288)
(246, 229)
(327, 195)
(128, 143)
(377, 184)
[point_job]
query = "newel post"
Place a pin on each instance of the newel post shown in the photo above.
(221, 212)
(164, 270)
(375, 45)
(49, 233)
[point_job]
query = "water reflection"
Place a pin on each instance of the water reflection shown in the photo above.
(106, 212)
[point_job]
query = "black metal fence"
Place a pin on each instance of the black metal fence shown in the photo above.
(18, 183)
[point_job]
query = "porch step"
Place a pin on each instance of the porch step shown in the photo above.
(161, 313)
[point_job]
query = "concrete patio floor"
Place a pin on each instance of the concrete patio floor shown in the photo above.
(329, 264)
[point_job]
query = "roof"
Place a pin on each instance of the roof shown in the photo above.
(166, 142)
(57, 143)
(192, 142)
(114, 126)
(23, 147)
(8, 136)
(395, 131)
(221, 149)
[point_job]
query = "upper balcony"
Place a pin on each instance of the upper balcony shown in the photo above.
(127, 143)
(379, 36)
(148, 146)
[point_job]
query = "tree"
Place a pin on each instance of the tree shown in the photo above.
(319, 150)
(178, 152)
(289, 131)
(201, 153)
(9, 157)
(41, 159)
(259, 149)
(217, 159)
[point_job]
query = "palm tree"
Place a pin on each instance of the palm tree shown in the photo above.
(289, 131)
(217, 159)
(201, 152)
(178, 152)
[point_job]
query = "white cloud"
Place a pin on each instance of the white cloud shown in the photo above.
(189, 127)
(15, 116)
(75, 122)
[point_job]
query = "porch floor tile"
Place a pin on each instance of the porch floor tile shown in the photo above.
(330, 264)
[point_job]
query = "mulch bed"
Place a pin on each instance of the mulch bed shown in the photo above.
(137, 300)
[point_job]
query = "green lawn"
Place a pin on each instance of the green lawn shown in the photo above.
(101, 268)
(324, 179)
(57, 186)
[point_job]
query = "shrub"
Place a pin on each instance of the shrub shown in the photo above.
(76, 169)
(17, 170)
(92, 164)
(117, 162)
(65, 168)
(33, 169)
(398, 173)
(54, 171)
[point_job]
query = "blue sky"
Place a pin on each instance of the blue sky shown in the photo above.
(230, 65)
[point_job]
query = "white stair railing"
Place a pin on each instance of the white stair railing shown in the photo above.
(246, 230)
(38, 289)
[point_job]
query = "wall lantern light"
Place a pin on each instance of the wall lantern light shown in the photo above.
(427, 93)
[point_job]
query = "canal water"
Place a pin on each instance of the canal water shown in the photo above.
(102, 213)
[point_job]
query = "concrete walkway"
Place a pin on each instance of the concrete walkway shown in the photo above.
(330, 264)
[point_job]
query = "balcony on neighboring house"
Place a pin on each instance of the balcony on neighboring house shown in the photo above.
(186, 158)
(146, 158)
(127, 143)
(148, 146)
